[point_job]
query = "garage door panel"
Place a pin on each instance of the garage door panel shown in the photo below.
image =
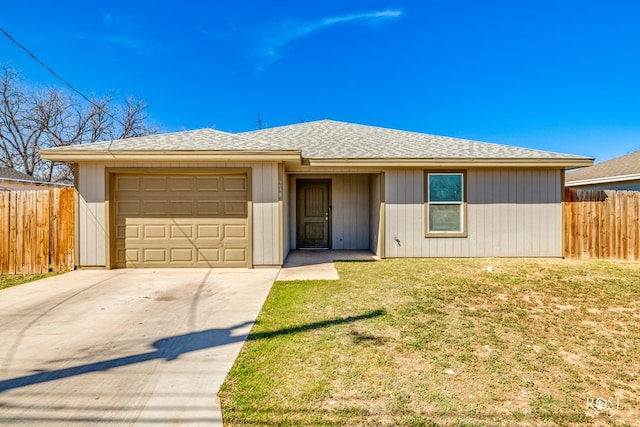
(153, 208)
(233, 208)
(208, 208)
(235, 255)
(209, 255)
(208, 183)
(181, 254)
(208, 231)
(154, 183)
(154, 255)
(128, 184)
(178, 231)
(181, 208)
(132, 255)
(235, 230)
(181, 183)
(181, 221)
(154, 231)
(235, 183)
(128, 208)
(129, 231)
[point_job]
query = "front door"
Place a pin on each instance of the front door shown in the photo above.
(313, 214)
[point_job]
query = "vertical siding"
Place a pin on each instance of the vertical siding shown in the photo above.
(350, 211)
(265, 214)
(286, 228)
(92, 221)
(510, 212)
(374, 212)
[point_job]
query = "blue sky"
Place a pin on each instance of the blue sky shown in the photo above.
(552, 75)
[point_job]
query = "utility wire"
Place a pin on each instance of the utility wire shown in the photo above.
(57, 76)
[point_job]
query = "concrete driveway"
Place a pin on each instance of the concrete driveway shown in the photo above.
(124, 347)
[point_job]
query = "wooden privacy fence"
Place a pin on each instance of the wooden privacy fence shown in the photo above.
(36, 231)
(602, 224)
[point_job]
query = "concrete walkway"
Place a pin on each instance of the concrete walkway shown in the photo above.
(124, 347)
(318, 264)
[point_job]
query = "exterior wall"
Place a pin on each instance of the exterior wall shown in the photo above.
(619, 186)
(510, 213)
(350, 211)
(286, 214)
(93, 221)
(375, 184)
(350, 208)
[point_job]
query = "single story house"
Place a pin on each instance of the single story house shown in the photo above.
(206, 198)
(620, 173)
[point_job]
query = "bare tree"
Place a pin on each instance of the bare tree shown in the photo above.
(31, 119)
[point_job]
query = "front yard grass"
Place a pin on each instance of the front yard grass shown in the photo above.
(18, 279)
(445, 342)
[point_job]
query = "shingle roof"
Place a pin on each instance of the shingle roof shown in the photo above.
(323, 141)
(328, 139)
(609, 170)
(201, 139)
(14, 174)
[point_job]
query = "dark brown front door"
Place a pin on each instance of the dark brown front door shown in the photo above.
(313, 214)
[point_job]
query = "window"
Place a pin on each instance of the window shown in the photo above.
(445, 203)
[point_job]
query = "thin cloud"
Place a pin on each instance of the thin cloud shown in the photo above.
(121, 28)
(271, 48)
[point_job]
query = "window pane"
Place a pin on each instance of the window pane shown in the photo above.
(444, 218)
(445, 188)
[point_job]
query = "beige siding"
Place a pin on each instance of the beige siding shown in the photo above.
(350, 213)
(375, 182)
(510, 212)
(92, 222)
(286, 216)
(265, 214)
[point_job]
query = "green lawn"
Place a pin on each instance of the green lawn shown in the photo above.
(445, 342)
(14, 280)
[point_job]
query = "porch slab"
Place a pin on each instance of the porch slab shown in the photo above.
(318, 264)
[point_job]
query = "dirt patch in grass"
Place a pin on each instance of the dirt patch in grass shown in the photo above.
(445, 342)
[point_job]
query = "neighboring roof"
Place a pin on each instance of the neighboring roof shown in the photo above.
(323, 142)
(623, 168)
(13, 174)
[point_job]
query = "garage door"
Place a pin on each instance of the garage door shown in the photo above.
(181, 220)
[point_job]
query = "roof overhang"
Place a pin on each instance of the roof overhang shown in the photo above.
(74, 156)
(455, 162)
(603, 180)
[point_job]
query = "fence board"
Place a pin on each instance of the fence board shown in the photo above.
(602, 224)
(36, 231)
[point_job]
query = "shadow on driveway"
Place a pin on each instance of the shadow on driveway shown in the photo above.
(173, 347)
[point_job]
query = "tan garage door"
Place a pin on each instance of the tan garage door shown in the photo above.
(181, 220)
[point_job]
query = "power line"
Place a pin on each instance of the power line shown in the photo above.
(56, 75)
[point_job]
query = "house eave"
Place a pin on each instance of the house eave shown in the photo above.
(453, 162)
(217, 155)
(603, 180)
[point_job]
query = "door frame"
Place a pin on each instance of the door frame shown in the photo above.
(329, 225)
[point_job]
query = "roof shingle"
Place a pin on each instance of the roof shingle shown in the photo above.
(14, 174)
(328, 139)
(620, 166)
